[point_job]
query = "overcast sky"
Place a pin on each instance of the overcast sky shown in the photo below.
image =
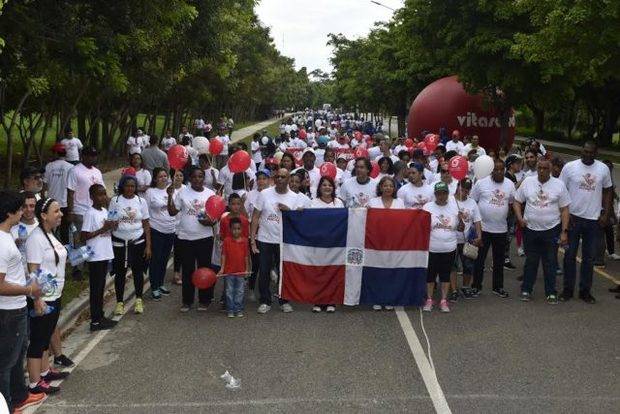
(300, 27)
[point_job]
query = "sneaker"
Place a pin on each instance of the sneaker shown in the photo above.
(501, 293)
(377, 307)
(559, 272)
(31, 399)
(43, 387)
(263, 308)
(566, 296)
(521, 252)
(525, 297)
(185, 308)
(453, 296)
(587, 297)
(316, 309)
(475, 293)
(388, 308)
(443, 306)
(164, 291)
(286, 308)
(552, 300)
(428, 305)
(614, 256)
(63, 360)
(119, 309)
(330, 309)
(509, 266)
(240, 315)
(156, 295)
(138, 308)
(202, 307)
(466, 292)
(55, 375)
(102, 325)
(231, 314)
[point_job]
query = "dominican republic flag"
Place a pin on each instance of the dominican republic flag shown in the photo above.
(355, 256)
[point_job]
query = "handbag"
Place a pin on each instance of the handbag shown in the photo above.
(469, 250)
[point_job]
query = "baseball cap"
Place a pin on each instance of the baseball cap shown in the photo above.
(511, 159)
(418, 166)
(466, 183)
(441, 186)
(341, 156)
(264, 172)
(308, 149)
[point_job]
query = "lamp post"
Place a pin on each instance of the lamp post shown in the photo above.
(382, 5)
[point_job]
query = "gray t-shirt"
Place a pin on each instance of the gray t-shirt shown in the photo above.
(154, 157)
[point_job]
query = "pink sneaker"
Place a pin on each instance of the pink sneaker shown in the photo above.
(428, 305)
(443, 306)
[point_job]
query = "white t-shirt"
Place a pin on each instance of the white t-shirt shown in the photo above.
(470, 214)
(209, 181)
(585, 186)
(225, 178)
(21, 241)
(225, 140)
(355, 194)
(168, 142)
(190, 203)
(542, 202)
(394, 158)
(250, 202)
(297, 143)
(135, 145)
(157, 201)
(79, 181)
(318, 203)
(256, 154)
(143, 177)
(416, 197)
(13, 268)
(481, 151)
(73, 147)
(376, 202)
(56, 174)
(455, 146)
(131, 212)
(269, 226)
(444, 222)
(493, 200)
(102, 244)
(40, 251)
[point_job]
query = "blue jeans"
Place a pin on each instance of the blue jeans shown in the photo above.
(13, 345)
(161, 246)
(540, 247)
(235, 289)
(587, 231)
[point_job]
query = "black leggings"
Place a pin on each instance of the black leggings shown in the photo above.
(177, 255)
(439, 264)
(41, 329)
(195, 253)
(97, 271)
(136, 262)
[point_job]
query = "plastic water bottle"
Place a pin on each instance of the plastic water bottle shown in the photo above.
(112, 215)
(22, 232)
(72, 231)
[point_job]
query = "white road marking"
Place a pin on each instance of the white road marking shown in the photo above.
(429, 376)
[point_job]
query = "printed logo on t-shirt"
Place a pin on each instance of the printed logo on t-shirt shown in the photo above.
(419, 201)
(466, 215)
(498, 198)
(360, 200)
(541, 199)
(588, 182)
(195, 207)
(443, 222)
(129, 215)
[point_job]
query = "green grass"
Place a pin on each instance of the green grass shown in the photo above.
(273, 130)
(559, 136)
(72, 288)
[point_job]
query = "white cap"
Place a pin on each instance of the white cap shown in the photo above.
(307, 149)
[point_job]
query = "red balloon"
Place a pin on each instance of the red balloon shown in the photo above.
(457, 166)
(215, 146)
(239, 161)
(303, 134)
(431, 141)
(177, 157)
(215, 207)
(129, 171)
(328, 169)
(408, 143)
(361, 153)
(445, 103)
(375, 169)
(203, 278)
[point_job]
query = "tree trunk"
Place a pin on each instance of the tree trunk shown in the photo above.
(9, 139)
(539, 119)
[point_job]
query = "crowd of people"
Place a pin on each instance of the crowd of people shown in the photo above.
(321, 159)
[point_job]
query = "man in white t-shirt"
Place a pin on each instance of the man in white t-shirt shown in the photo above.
(13, 309)
(309, 159)
(257, 156)
(266, 232)
(185, 134)
(134, 145)
(79, 180)
(359, 189)
(494, 195)
(415, 194)
(544, 220)
(474, 145)
(73, 146)
(590, 188)
(168, 141)
(529, 166)
(455, 144)
(55, 178)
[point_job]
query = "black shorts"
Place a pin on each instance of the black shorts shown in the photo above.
(439, 264)
(41, 329)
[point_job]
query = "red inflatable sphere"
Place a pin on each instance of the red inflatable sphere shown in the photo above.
(239, 162)
(177, 157)
(129, 171)
(375, 169)
(458, 167)
(361, 153)
(215, 207)
(408, 143)
(215, 146)
(444, 103)
(203, 278)
(328, 169)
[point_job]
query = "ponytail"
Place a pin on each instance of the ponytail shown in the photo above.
(41, 207)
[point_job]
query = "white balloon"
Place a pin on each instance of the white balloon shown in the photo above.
(278, 156)
(483, 166)
(265, 140)
(201, 145)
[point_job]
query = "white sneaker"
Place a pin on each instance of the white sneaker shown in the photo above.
(387, 307)
(330, 309)
(264, 308)
(614, 256)
(428, 305)
(443, 306)
(521, 252)
(376, 307)
(316, 309)
(286, 308)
